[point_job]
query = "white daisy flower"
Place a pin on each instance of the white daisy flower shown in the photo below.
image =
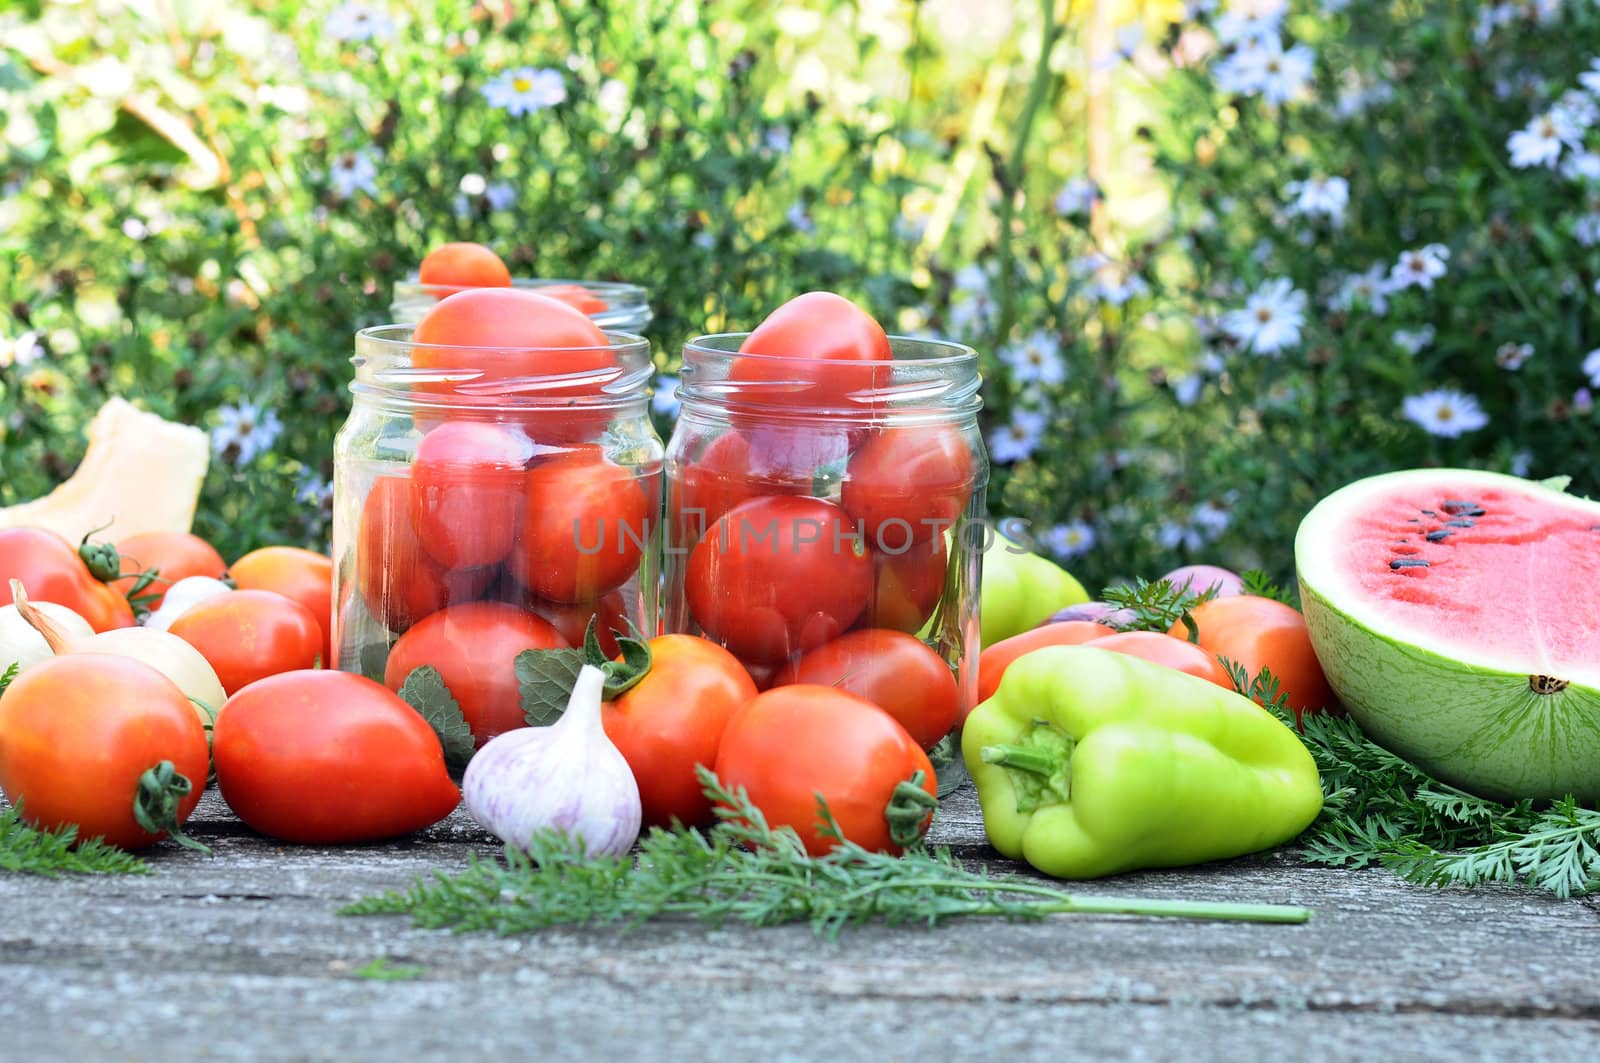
(778, 139)
(1271, 319)
(972, 279)
(357, 22)
(1581, 166)
(1444, 412)
(501, 196)
(1420, 267)
(1036, 359)
(245, 431)
(1077, 197)
(355, 172)
(1511, 356)
(1212, 516)
(1325, 197)
(1586, 228)
(1118, 293)
(1369, 289)
(798, 217)
(1591, 367)
(1590, 79)
(1186, 389)
(526, 89)
(22, 351)
(1541, 141)
(1414, 341)
(1018, 439)
(1521, 463)
(1173, 534)
(1579, 109)
(1236, 27)
(1070, 539)
(313, 490)
(1490, 18)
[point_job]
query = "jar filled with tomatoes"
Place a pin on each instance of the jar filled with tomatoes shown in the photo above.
(825, 503)
(496, 489)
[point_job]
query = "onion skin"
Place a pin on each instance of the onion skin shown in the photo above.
(566, 777)
(1097, 612)
(20, 641)
(1201, 578)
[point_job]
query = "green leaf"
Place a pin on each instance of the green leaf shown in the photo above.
(545, 679)
(381, 970)
(1157, 606)
(425, 691)
(8, 675)
(1259, 584)
(30, 851)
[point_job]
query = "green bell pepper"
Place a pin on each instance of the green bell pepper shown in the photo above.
(1089, 763)
(1020, 590)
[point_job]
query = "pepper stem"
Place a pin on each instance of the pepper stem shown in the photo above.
(1022, 758)
(1039, 764)
(908, 810)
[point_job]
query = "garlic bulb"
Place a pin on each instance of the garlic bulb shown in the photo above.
(567, 776)
(20, 642)
(166, 653)
(183, 596)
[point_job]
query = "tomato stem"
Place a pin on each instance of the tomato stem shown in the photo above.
(156, 801)
(908, 809)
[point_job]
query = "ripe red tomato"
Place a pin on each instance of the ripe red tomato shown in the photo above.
(399, 582)
(610, 616)
(908, 485)
(52, 571)
(790, 745)
(776, 575)
(474, 647)
(324, 758)
(584, 524)
(576, 296)
(906, 586)
(303, 575)
(172, 555)
(672, 720)
(895, 671)
(466, 491)
(1258, 633)
(754, 460)
(464, 265)
(78, 731)
(507, 334)
(1175, 653)
(249, 635)
(996, 658)
(823, 344)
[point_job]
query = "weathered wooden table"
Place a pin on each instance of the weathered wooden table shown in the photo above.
(242, 955)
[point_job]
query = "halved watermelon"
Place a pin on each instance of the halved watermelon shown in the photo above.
(1457, 616)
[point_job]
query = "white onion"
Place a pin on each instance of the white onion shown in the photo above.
(22, 643)
(183, 596)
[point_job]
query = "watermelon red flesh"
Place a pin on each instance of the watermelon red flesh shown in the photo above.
(1514, 573)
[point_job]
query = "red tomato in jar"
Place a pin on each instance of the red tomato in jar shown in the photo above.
(1174, 653)
(821, 346)
(303, 575)
(76, 734)
(997, 657)
(791, 745)
(908, 485)
(52, 571)
(1256, 633)
(466, 491)
(778, 575)
(571, 619)
(584, 523)
(464, 265)
(172, 556)
(754, 460)
(326, 758)
(906, 586)
(399, 583)
(576, 296)
(248, 635)
(895, 671)
(475, 647)
(672, 721)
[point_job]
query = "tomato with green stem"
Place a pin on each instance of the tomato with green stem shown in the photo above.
(160, 559)
(304, 576)
(791, 745)
(474, 647)
(53, 571)
(105, 743)
(672, 719)
(584, 523)
(326, 758)
(895, 671)
(777, 575)
(248, 635)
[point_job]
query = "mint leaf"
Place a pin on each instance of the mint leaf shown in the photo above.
(545, 679)
(424, 690)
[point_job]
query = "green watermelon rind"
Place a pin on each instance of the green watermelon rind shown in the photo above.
(1479, 727)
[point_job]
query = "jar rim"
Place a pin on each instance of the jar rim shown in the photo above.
(957, 353)
(632, 293)
(397, 337)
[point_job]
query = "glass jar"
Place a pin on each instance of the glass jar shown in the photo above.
(478, 512)
(806, 499)
(610, 305)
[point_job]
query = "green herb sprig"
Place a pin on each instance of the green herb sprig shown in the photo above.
(30, 851)
(1156, 606)
(743, 870)
(8, 675)
(1379, 809)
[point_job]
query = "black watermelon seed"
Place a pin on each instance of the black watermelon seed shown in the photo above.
(1594, 527)
(1438, 536)
(1407, 562)
(1429, 513)
(1457, 505)
(1460, 523)
(1418, 520)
